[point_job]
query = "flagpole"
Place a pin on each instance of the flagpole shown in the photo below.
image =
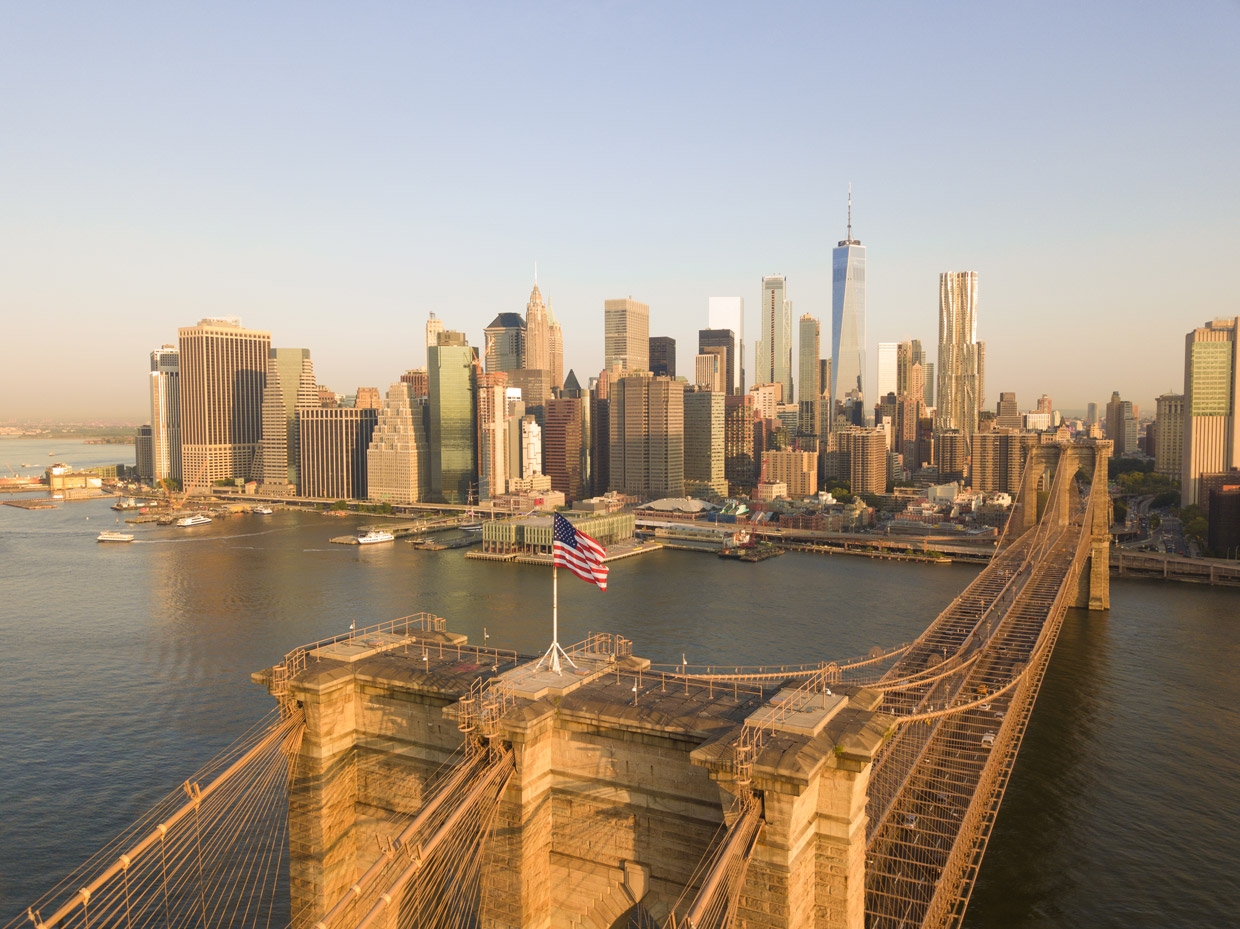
(555, 619)
(552, 657)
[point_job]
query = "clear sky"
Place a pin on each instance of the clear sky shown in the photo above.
(333, 172)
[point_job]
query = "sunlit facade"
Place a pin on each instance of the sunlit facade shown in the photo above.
(848, 324)
(451, 374)
(959, 355)
(773, 355)
(223, 373)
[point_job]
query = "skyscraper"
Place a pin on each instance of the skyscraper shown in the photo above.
(626, 335)
(707, 373)
(1211, 423)
(562, 447)
(451, 374)
(888, 368)
(728, 313)
(907, 354)
(572, 390)
(333, 444)
(662, 356)
(704, 443)
(600, 433)
(537, 334)
(399, 457)
(1121, 425)
(493, 466)
(826, 414)
(555, 348)
(1169, 435)
(721, 342)
(796, 470)
(505, 343)
(368, 398)
(531, 447)
(647, 436)
(144, 459)
(810, 396)
(514, 408)
(739, 464)
(434, 326)
(863, 458)
(416, 379)
(999, 460)
(165, 414)
(1007, 412)
(958, 393)
(223, 372)
(848, 321)
(773, 357)
(290, 385)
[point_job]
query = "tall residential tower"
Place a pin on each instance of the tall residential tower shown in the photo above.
(773, 356)
(959, 393)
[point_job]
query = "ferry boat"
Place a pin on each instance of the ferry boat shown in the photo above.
(262, 510)
(114, 537)
(471, 527)
(371, 536)
(196, 520)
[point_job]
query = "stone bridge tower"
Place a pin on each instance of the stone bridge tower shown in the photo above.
(1091, 459)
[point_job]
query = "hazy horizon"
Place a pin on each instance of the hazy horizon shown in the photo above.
(333, 177)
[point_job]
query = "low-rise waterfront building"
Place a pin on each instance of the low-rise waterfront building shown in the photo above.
(533, 535)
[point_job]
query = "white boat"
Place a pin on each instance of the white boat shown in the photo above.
(129, 503)
(114, 537)
(371, 536)
(262, 510)
(196, 520)
(472, 527)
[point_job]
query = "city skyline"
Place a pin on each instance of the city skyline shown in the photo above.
(143, 197)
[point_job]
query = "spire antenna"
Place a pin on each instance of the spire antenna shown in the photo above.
(536, 269)
(849, 214)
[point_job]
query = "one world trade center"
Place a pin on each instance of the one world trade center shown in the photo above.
(848, 327)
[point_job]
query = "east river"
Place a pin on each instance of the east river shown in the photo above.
(125, 667)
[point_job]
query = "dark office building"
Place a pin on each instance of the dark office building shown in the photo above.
(333, 443)
(721, 342)
(662, 356)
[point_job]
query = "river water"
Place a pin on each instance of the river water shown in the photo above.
(125, 667)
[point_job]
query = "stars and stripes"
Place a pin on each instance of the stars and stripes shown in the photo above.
(578, 552)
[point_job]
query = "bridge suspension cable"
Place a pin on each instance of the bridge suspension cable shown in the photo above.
(723, 872)
(209, 853)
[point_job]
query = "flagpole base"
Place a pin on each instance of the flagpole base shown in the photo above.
(551, 657)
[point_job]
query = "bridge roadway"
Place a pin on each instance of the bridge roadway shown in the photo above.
(936, 786)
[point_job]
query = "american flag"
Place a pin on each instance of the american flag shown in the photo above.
(578, 552)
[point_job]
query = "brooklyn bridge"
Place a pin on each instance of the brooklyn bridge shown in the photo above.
(408, 778)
